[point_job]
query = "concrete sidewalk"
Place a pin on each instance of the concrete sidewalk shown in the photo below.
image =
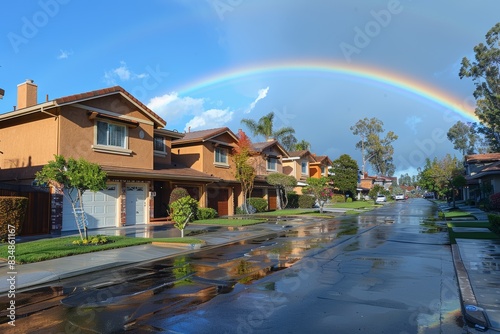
(477, 265)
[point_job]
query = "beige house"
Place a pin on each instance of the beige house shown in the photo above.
(298, 164)
(109, 127)
(211, 152)
(267, 158)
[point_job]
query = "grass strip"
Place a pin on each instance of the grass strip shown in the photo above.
(53, 248)
(228, 222)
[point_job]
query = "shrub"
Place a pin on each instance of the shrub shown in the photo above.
(306, 201)
(495, 223)
(338, 198)
(495, 201)
(250, 208)
(349, 199)
(184, 211)
(259, 204)
(206, 213)
(176, 194)
(293, 201)
(13, 212)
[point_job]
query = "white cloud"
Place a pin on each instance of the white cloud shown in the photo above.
(63, 54)
(412, 123)
(171, 105)
(212, 118)
(262, 94)
(121, 73)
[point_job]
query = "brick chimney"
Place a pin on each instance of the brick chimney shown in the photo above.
(26, 94)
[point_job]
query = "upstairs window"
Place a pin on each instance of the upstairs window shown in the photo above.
(303, 166)
(272, 164)
(220, 156)
(110, 134)
(159, 144)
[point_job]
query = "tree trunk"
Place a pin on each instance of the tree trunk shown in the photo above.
(278, 198)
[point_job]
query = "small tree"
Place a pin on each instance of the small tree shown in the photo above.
(320, 189)
(185, 210)
(375, 190)
(245, 173)
(283, 183)
(76, 177)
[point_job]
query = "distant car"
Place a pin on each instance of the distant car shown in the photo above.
(380, 199)
(399, 197)
(429, 195)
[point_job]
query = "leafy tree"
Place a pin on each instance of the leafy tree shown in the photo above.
(464, 137)
(289, 142)
(302, 146)
(265, 127)
(245, 173)
(185, 209)
(320, 189)
(76, 177)
(485, 73)
(438, 175)
(376, 190)
(375, 150)
(283, 183)
(345, 174)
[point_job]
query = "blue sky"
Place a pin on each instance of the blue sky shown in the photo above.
(208, 63)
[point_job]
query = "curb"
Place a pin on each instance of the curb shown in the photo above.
(471, 311)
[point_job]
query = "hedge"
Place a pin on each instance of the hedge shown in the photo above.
(495, 223)
(293, 201)
(13, 211)
(259, 204)
(306, 202)
(206, 213)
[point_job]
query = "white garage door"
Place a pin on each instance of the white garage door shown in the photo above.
(100, 208)
(136, 204)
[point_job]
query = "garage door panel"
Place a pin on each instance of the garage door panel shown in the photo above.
(100, 208)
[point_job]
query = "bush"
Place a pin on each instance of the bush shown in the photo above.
(293, 201)
(495, 223)
(13, 212)
(259, 204)
(183, 207)
(349, 199)
(338, 198)
(306, 201)
(177, 194)
(495, 201)
(206, 213)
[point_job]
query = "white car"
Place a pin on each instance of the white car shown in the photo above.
(380, 199)
(399, 197)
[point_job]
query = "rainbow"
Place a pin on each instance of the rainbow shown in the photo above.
(369, 74)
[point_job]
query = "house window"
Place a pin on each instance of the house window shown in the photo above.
(323, 170)
(220, 155)
(159, 144)
(272, 164)
(303, 165)
(109, 134)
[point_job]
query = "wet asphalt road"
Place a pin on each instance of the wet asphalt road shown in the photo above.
(389, 271)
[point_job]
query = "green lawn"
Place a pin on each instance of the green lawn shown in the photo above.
(470, 234)
(46, 249)
(354, 205)
(456, 214)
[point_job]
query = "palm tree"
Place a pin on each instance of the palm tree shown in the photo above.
(264, 127)
(302, 145)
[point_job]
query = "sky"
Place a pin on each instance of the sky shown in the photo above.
(319, 65)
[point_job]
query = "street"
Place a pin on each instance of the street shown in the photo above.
(387, 271)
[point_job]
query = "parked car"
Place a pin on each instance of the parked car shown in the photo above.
(380, 199)
(399, 197)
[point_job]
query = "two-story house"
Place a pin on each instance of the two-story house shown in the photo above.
(298, 164)
(109, 127)
(482, 173)
(210, 152)
(266, 159)
(319, 168)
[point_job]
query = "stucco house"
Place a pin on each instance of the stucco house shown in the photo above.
(482, 173)
(298, 165)
(210, 152)
(109, 127)
(267, 158)
(319, 168)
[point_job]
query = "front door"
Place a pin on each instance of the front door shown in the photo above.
(136, 204)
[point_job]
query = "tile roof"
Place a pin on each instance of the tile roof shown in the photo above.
(108, 91)
(161, 171)
(482, 157)
(299, 153)
(203, 135)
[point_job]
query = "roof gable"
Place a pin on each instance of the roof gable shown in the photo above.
(202, 136)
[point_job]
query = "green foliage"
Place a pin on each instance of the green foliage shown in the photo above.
(13, 211)
(206, 213)
(484, 71)
(464, 137)
(265, 127)
(259, 204)
(284, 184)
(345, 170)
(184, 211)
(306, 201)
(376, 190)
(495, 223)
(293, 201)
(320, 189)
(177, 194)
(439, 176)
(94, 240)
(338, 198)
(375, 150)
(349, 199)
